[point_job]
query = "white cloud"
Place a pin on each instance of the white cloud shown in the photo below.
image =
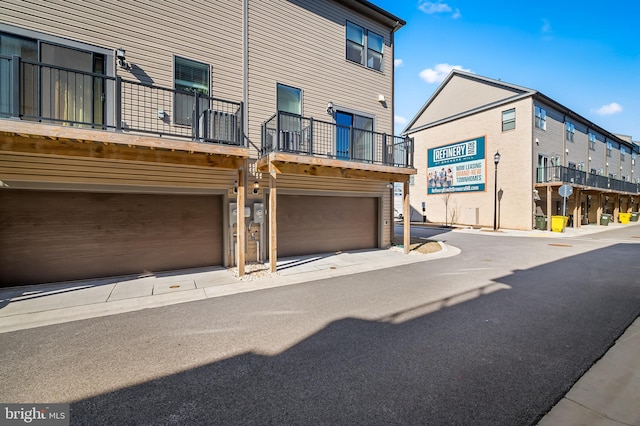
(456, 14)
(399, 120)
(397, 62)
(439, 72)
(431, 7)
(609, 109)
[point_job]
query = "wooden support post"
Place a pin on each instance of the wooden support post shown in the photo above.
(241, 232)
(577, 208)
(616, 209)
(549, 195)
(273, 220)
(599, 210)
(406, 214)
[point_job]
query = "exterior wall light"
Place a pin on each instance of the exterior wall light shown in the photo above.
(122, 60)
(330, 109)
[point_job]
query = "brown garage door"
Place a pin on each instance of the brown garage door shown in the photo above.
(318, 224)
(48, 236)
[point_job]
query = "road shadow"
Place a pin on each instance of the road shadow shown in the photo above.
(501, 354)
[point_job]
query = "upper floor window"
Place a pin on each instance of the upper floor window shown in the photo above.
(622, 153)
(289, 99)
(592, 141)
(355, 43)
(609, 148)
(509, 119)
(375, 44)
(193, 77)
(570, 131)
(541, 118)
(364, 47)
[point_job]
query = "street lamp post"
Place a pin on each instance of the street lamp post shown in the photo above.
(496, 160)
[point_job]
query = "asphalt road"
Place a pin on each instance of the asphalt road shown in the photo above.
(493, 336)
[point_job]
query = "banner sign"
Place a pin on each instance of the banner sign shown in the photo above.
(458, 167)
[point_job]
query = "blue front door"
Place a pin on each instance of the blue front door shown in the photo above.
(343, 133)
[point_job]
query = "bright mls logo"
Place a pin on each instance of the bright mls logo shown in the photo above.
(35, 414)
(458, 167)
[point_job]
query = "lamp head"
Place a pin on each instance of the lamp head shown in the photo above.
(330, 109)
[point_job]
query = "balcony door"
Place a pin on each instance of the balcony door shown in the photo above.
(354, 136)
(69, 93)
(289, 105)
(344, 123)
(543, 169)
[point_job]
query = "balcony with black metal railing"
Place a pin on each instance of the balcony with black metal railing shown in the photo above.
(343, 146)
(579, 178)
(36, 93)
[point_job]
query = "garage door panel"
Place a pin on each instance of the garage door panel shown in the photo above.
(317, 224)
(53, 236)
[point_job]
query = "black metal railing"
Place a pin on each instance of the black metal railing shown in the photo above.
(45, 93)
(577, 177)
(285, 132)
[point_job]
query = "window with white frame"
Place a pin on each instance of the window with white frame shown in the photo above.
(592, 141)
(364, 47)
(189, 77)
(570, 131)
(509, 119)
(541, 118)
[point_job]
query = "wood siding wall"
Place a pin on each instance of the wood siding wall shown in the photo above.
(301, 43)
(64, 172)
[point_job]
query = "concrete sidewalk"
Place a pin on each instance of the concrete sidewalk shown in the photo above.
(46, 304)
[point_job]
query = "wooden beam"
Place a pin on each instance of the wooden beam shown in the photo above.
(328, 163)
(333, 172)
(241, 232)
(406, 209)
(43, 146)
(31, 129)
(273, 221)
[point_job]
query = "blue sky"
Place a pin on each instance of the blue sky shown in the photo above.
(583, 54)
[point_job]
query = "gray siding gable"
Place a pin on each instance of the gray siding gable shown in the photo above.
(461, 94)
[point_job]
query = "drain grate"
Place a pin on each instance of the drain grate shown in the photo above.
(561, 245)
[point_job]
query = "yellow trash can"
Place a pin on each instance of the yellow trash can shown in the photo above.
(558, 223)
(624, 217)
